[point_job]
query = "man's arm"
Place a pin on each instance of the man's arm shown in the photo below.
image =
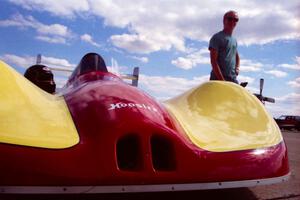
(214, 64)
(237, 63)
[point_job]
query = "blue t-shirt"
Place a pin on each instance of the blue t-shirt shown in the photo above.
(226, 46)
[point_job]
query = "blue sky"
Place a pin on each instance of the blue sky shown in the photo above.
(166, 39)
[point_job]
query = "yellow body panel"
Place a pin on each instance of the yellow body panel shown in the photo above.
(31, 117)
(221, 116)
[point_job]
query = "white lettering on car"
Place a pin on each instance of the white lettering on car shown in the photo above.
(131, 105)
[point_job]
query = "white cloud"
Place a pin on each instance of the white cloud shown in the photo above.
(295, 66)
(162, 25)
(114, 68)
(27, 61)
(183, 63)
(52, 29)
(193, 59)
(295, 83)
(55, 40)
(168, 86)
(277, 109)
(248, 79)
(88, 38)
(141, 59)
(20, 61)
(288, 104)
(66, 8)
(247, 65)
(292, 98)
(137, 43)
(290, 66)
(277, 73)
(57, 62)
(53, 33)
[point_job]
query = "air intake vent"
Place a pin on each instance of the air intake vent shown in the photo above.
(129, 153)
(163, 155)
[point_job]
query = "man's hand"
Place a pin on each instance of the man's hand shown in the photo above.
(237, 70)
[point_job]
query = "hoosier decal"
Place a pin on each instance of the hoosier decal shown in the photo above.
(131, 105)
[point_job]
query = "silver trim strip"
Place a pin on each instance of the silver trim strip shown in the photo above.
(139, 188)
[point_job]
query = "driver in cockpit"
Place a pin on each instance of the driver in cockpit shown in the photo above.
(42, 77)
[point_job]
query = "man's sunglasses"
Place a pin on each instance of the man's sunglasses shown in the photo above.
(232, 19)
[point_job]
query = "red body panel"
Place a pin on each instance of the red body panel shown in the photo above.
(101, 125)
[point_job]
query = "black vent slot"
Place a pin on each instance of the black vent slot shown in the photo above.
(129, 153)
(163, 155)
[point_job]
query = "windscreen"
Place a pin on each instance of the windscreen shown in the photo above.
(90, 62)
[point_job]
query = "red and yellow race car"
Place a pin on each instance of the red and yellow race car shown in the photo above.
(102, 135)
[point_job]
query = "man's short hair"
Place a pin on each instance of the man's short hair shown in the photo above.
(228, 12)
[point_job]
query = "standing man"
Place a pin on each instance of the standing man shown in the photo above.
(224, 57)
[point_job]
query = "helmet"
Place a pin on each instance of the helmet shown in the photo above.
(41, 76)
